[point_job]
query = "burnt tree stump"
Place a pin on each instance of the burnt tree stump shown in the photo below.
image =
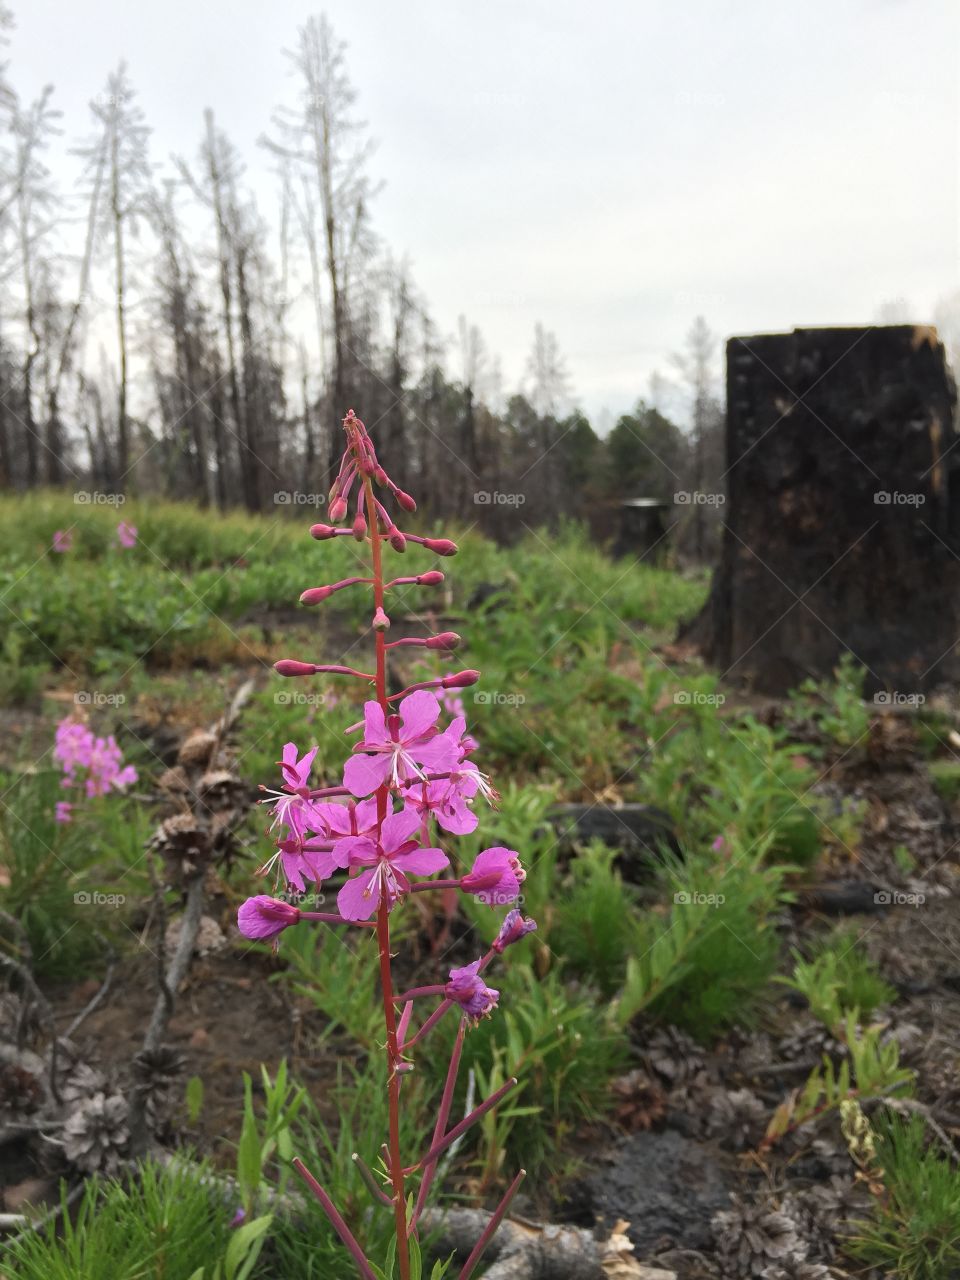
(842, 521)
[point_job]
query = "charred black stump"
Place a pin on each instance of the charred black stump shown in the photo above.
(842, 520)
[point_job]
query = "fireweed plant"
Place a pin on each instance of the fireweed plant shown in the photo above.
(406, 778)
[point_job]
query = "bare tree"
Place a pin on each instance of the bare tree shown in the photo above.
(33, 208)
(547, 377)
(695, 365)
(325, 145)
(119, 149)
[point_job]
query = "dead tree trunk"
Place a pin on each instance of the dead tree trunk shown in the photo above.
(842, 520)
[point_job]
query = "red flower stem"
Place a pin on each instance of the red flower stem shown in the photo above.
(443, 1115)
(329, 918)
(422, 886)
(430, 1023)
(383, 919)
(491, 1227)
(338, 1224)
(319, 793)
(414, 992)
(478, 1113)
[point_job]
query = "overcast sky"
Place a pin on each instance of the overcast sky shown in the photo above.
(608, 167)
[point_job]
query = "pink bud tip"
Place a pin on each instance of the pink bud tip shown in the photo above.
(290, 667)
(359, 527)
(441, 546)
(405, 500)
(322, 531)
(380, 475)
(380, 621)
(431, 579)
(397, 540)
(315, 594)
(460, 680)
(445, 640)
(338, 509)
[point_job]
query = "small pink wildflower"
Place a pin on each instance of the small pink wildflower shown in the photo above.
(126, 534)
(63, 811)
(399, 746)
(62, 540)
(496, 876)
(386, 865)
(467, 989)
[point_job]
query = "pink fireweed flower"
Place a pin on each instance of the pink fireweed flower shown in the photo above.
(496, 876)
(62, 540)
(386, 865)
(263, 917)
(399, 746)
(126, 534)
(514, 928)
(467, 989)
(63, 810)
(296, 771)
(445, 802)
(351, 819)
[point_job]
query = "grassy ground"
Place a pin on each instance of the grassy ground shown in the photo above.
(583, 697)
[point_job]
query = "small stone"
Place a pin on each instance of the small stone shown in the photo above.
(200, 1038)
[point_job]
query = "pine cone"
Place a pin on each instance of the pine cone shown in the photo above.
(673, 1056)
(752, 1236)
(810, 1039)
(82, 1082)
(797, 1270)
(196, 749)
(737, 1117)
(174, 781)
(639, 1102)
(96, 1134)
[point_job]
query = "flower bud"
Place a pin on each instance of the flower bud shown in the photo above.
(338, 509)
(380, 621)
(290, 667)
(397, 540)
(380, 475)
(446, 640)
(461, 679)
(441, 546)
(405, 500)
(514, 928)
(322, 531)
(264, 917)
(360, 527)
(433, 578)
(315, 594)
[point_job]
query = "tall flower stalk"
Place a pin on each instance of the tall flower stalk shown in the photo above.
(407, 780)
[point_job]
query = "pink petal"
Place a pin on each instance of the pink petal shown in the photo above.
(439, 755)
(364, 774)
(397, 828)
(375, 724)
(355, 851)
(358, 899)
(419, 712)
(421, 862)
(456, 818)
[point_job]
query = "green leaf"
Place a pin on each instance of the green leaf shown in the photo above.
(194, 1100)
(243, 1241)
